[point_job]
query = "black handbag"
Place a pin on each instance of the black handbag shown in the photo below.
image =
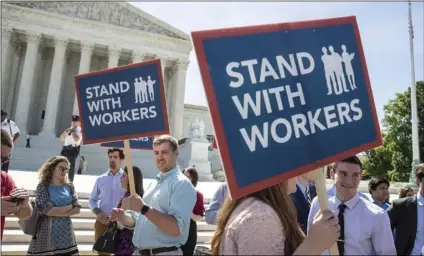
(109, 241)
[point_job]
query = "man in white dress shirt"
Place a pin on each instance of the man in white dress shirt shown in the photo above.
(364, 227)
(12, 130)
(72, 139)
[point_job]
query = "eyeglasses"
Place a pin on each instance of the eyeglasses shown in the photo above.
(63, 169)
(5, 159)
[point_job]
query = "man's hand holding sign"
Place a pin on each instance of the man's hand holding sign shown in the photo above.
(286, 99)
(123, 103)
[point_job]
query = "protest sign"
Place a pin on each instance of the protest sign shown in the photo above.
(122, 103)
(135, 143)
(286, 98)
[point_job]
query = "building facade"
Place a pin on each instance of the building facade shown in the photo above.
(45, 44)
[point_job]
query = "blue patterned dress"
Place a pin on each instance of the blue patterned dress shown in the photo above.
(55, 235)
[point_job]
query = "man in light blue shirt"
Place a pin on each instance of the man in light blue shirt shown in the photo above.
(217, 200)
(379, 190)
(161, 220)
(107, 191)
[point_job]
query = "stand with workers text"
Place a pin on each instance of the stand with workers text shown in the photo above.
(122, 103)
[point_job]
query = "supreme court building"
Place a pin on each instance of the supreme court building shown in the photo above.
(45, 44)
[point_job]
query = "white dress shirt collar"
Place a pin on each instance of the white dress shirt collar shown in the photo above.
(119, 173)
(350, 204)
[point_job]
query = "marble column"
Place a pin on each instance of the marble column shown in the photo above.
(84, 67)
(6, 51)
(55, 84)
(166, 84)
(179, 91)
(137, 56)
(114, 53)
(27, 81)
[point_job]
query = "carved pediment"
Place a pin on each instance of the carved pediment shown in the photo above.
(115, 13)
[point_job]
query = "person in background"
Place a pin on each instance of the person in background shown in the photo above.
(13, 200)
(365, 227)
(198, 213)
(107, 191)
(161, 220)
(217, 200)
(72, 139)
(28, 141)
(12, 130)
(82, 165)
(265, 223)
(407, 219)
(126, 246)
(302, 198)
(379, 190)
(406, 192)
(56, 201)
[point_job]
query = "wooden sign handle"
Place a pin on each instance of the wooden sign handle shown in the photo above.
(319, 178)
(128, 163)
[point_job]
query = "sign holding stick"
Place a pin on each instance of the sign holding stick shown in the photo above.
(319, 177)
(128, 163)
(286, 98)
(122, 103)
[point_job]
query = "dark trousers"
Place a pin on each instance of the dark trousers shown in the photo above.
(190, 245)
(28, 143)
(71, 153)
(5, 166)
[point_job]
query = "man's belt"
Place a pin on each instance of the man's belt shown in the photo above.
(157, 250)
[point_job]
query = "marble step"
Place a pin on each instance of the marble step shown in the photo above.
(82, 236)
(88, 224)
(84, 248)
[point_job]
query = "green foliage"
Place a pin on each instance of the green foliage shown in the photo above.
(395, 157)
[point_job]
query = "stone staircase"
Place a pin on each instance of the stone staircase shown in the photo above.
(15, 242)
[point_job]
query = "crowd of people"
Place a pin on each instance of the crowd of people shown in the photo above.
(284, 219)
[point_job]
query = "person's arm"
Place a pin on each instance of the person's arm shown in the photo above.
(63, 135)
(44, 206)
(76, 207)
(16, 137)
(76, 135)
(94, 198)
(130, 219)
(216, 202)
(381, 235)
(173, 222)
(199, 208)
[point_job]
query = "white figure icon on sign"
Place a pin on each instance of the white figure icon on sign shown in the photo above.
(150, 84)
(329, 73)
(137, 91)
(337, 64)
(144, 91)
(347, 60)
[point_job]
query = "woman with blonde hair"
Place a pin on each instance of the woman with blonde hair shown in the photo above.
(265, 223)
(56, 201)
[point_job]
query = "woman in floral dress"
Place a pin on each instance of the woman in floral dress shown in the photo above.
(56, 201)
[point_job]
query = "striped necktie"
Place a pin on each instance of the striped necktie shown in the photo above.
(307, 194)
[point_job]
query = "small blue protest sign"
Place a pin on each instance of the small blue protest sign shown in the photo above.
(122, 103)
(135, 143)
(286, 98)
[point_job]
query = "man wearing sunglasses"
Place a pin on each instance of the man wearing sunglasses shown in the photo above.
(13, 200)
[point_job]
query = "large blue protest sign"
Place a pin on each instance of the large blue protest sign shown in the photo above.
(122, 103)
(286, 98)
(135, 143)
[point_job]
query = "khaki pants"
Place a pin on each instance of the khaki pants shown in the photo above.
(99, 229)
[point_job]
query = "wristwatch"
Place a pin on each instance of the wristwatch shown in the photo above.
(145, 209)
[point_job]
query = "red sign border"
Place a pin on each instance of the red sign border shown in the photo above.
(157, 62)
(199, 36)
